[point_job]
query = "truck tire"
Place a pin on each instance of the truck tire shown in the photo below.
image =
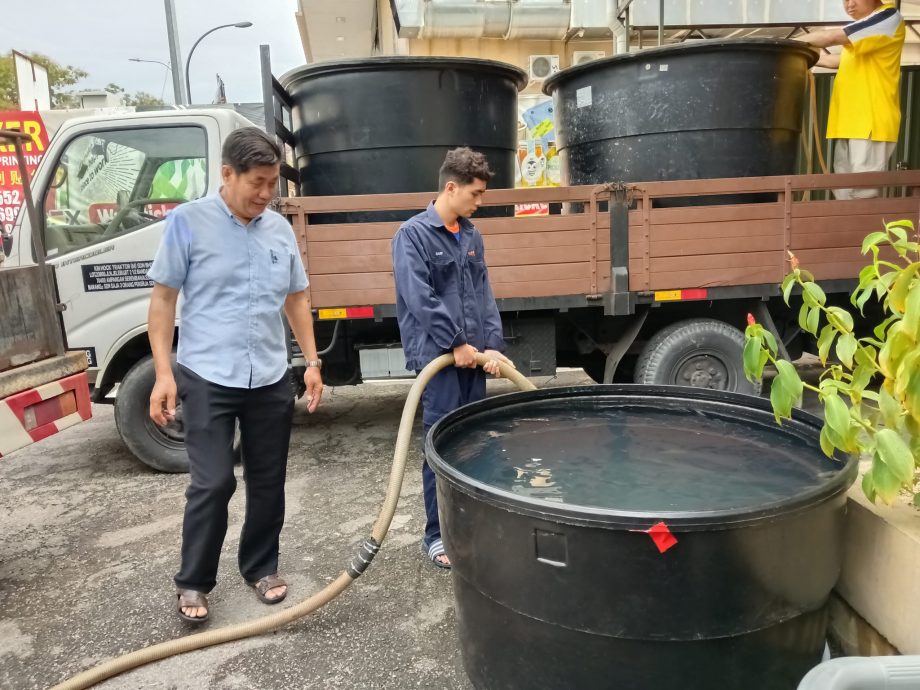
(703, 353)
(161, 449)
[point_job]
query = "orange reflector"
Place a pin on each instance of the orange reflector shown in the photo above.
(347, 313)
(677, 295)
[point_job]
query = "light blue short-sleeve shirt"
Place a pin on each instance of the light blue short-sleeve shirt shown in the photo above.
(233, 279)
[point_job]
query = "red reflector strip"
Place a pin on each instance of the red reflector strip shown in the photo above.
(346, 313)
(680, 295)
(360, 312)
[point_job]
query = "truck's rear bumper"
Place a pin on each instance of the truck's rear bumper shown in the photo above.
(37, 413)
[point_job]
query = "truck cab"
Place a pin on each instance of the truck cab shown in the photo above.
(102, 191)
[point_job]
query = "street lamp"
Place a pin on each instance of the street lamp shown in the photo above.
(188, 60)
(156, 62)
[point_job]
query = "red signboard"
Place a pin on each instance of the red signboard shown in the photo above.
(11, 197)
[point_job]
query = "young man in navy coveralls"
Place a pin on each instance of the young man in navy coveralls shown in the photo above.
(444, 303)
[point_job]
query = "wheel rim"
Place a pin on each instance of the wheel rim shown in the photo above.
(703, 370)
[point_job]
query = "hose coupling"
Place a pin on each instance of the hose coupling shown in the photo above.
(363, 559)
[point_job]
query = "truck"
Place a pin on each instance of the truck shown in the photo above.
(43, 387)
(613, 281)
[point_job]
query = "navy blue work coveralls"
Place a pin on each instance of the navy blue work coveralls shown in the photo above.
(443, 300)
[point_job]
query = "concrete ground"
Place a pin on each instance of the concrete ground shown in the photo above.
(89, 541)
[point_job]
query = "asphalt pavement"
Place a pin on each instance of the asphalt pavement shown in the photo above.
(89, 542)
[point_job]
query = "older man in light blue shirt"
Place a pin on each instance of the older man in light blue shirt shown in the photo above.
(237, 265)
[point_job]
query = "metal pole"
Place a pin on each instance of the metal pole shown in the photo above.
(174, 53)
(188, 60)
(660, 22)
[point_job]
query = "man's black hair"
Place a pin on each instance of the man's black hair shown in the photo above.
(249, 147)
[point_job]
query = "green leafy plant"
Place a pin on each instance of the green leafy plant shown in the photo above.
(883, 424)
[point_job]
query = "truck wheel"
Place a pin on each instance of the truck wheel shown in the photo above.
(162, 449)
(703, 353)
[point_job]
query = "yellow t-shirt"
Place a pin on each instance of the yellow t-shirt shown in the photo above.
(865, 103)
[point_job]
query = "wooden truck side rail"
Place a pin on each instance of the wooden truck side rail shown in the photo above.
(569, 253)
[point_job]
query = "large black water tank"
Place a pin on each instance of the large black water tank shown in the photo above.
(383, 125)
(717, 108)
(546, 498)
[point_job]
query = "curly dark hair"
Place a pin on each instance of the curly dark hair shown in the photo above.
(463, 165)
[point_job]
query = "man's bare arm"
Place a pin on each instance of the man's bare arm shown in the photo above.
(161, 325)
(826, 38)
(829, 60)
(299, 314)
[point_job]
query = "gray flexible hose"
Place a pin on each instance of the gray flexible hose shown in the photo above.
(239, 631)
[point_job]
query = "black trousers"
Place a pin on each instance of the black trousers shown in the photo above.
(209, 414)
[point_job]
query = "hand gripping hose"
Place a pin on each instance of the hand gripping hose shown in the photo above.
(358, 565)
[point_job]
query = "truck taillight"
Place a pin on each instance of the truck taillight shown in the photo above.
(49, 410)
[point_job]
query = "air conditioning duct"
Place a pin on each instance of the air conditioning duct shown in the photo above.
(510, 19)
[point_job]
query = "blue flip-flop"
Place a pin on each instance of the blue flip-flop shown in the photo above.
(433, 550)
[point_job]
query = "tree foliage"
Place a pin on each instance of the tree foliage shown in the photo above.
(60, 79)
(882, 424)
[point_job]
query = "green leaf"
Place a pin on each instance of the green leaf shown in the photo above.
(752, 350)
(826, 444)
(868, 486)
(905, 223)
(885, 483)
(803, 317)
(912, 311)
(825, 341)
(898, 231)
(770, 341)
(896, 346)
(788, 284)
(912, 396)
(860, 302)
(813, 294)
(786, 389)
(872, 239)
(890, 409)
(898, 295)
(862, 377)
(846, 348)
(843, 317)
(813, 321)
(895, 453)
(865, 356)
(867, 275)
(906, 370)
(837, 415)
(883, 326)
(916, 501)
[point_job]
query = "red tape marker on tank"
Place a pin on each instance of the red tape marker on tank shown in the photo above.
(661, 535)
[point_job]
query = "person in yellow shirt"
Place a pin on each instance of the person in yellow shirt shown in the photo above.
(865, 111)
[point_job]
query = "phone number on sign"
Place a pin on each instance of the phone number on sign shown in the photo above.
(10, 202)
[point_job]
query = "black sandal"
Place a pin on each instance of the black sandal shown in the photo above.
(190, 598)
(266, 583)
